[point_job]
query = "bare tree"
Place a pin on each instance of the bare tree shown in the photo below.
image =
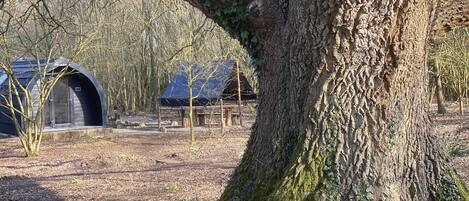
(451, 53)
(198, 77)
(33, 30)
(121, 36)
(25, 106)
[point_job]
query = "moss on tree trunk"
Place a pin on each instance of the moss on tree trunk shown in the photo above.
(342, 98)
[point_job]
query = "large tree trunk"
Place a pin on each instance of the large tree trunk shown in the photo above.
(342, 96)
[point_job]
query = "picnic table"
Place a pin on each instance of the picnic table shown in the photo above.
(204, 115)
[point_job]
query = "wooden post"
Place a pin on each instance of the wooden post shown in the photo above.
(229, 117)
(182, 116)
(201, 118)
(239, 96)
(210, 119)
(159, 116)
(222, 122)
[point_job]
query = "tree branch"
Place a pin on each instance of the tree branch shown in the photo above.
(236, 17)
(451, 14)
(228, 14)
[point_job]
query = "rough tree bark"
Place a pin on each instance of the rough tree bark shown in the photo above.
(342, 95)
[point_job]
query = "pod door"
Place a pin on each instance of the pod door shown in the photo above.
(58, 111)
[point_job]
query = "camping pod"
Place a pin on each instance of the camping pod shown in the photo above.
(77, 100)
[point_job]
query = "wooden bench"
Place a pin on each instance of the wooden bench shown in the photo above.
(229, 117)
(203, 113)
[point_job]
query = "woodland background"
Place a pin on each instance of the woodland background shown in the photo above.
(134, 47)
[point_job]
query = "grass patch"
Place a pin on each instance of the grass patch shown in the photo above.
(174, 188)
(455, 147)
(130, 158)
(91, 139)
(75, 180)
(88, 139)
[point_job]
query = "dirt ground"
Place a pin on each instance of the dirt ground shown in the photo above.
(453, 131)
(129, 166)
(146, 165)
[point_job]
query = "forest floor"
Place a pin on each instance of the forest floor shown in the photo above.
(142, 164)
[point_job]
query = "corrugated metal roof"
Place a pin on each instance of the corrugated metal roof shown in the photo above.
(209, 85)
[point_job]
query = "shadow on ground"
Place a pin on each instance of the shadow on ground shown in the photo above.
(18, 188)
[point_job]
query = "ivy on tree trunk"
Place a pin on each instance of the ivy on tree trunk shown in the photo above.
(342, 96)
